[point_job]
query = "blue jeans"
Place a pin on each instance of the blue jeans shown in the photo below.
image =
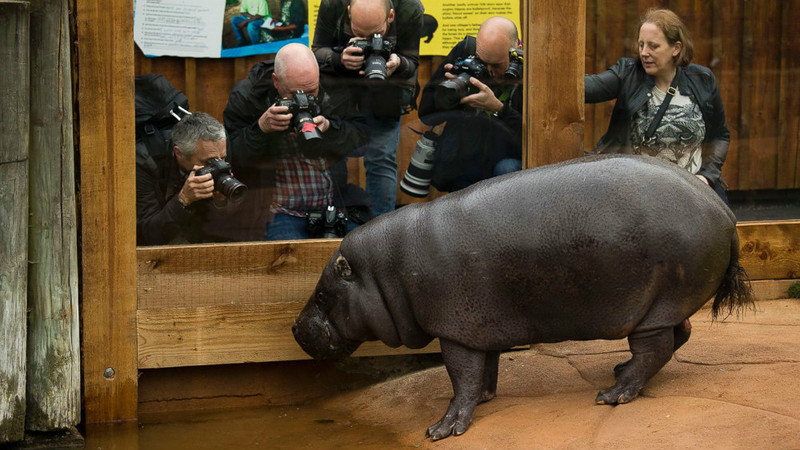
(379, 159)
(253, 30)
(507, 165)
(285, 227)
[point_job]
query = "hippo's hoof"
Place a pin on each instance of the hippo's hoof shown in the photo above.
(455, 425)
(616, 396)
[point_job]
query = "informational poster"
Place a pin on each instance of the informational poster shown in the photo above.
(447, 22)
(232, 28)
(218, 28)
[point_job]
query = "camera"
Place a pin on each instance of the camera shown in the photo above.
(376, 51)
(514, 70)
(303, 108)
(417, 180)
(224, 182)
(449, 93)
(328, 223)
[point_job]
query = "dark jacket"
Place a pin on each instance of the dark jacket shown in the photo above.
(629, 84)
(472, 141)
(253, 153)
(160, 218)
(332, 34)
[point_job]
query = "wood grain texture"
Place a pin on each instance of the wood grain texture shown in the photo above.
(554, 111)
(789, 114)
(106, 127)
(14, 132)
(54, 369)
(229, 334)
(242, 311)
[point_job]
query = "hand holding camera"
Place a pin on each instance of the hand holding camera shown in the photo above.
(276, 118)
(376, 54)
(305, 114)
(196, 187)
(217, 173)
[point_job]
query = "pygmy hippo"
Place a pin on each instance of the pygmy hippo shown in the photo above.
(601, 247)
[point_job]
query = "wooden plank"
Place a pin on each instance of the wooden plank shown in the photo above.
(770, 250)
(727, 50)
(54, 368)
(789, 118)
(106, 127)
(14, 138)
(196, 311)
(197, 275)
(555, 118)
(228, 334)
(771, 289)
(762, 158)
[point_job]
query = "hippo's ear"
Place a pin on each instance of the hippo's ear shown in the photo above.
(342, 267)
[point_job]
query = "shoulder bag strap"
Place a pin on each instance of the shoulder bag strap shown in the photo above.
(648, 137)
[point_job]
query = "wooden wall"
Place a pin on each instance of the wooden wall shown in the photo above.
(751, 48)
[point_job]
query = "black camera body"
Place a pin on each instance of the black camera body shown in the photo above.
(449, 93)
(224, 182)
(514, 71)
(303, 108)
(328, 223)
(376, 51)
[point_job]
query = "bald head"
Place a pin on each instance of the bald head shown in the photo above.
(295, 69)
(368, 17)
(495, 37)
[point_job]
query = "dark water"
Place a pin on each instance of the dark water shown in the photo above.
(291, 427)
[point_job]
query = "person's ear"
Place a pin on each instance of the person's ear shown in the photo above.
(677, 49)
(390, 18)
(276, 82)
(348, 12)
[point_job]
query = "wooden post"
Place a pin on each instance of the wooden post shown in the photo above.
(53, 398)
(555, 59)
(14, 123)
(108, 203)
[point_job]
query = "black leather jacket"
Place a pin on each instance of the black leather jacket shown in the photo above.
(629, 84)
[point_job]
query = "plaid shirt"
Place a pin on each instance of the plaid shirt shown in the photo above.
(301, 184)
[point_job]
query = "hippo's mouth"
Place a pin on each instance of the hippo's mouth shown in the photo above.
(318, 337)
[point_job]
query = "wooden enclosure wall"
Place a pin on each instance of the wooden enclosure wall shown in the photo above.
(752, 49)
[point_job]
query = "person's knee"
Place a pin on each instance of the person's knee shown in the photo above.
(507, 165)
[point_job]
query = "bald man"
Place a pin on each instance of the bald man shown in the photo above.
(482, 137)
(339, 24)
(292, 173)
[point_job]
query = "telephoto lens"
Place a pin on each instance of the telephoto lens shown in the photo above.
(448, 94)
(417, 180)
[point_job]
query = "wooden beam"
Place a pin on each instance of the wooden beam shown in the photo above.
(770, 250)
(107, 193)
(554, 69)
(235, 303)
(15, 93)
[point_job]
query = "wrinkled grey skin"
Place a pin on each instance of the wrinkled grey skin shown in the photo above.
(602, 247)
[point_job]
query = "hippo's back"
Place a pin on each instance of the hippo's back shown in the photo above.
(555, 252)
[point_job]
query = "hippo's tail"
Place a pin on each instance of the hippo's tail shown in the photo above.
(734, 294)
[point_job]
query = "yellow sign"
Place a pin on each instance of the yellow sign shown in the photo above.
(446, 22)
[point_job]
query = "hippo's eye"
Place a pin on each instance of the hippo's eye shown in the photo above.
(322, 300)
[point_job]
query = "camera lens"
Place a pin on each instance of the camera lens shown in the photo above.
(417, 179)
(232, 188)
(449, 93)
(375, 68)
(306, 127)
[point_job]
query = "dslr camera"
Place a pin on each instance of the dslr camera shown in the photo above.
(303, 108)
(449, 93)
(328, 223)
(376, 51)
(514, 71)
(224, 182)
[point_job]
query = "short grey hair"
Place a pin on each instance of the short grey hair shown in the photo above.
(198, 126)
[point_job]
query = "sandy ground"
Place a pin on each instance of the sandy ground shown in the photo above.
(735, 384)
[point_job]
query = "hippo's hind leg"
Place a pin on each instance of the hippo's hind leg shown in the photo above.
(490, 376)
(651, 351)
(680, 335)
(465, 367)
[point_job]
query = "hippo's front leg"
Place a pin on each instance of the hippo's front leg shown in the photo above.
(465, 367)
